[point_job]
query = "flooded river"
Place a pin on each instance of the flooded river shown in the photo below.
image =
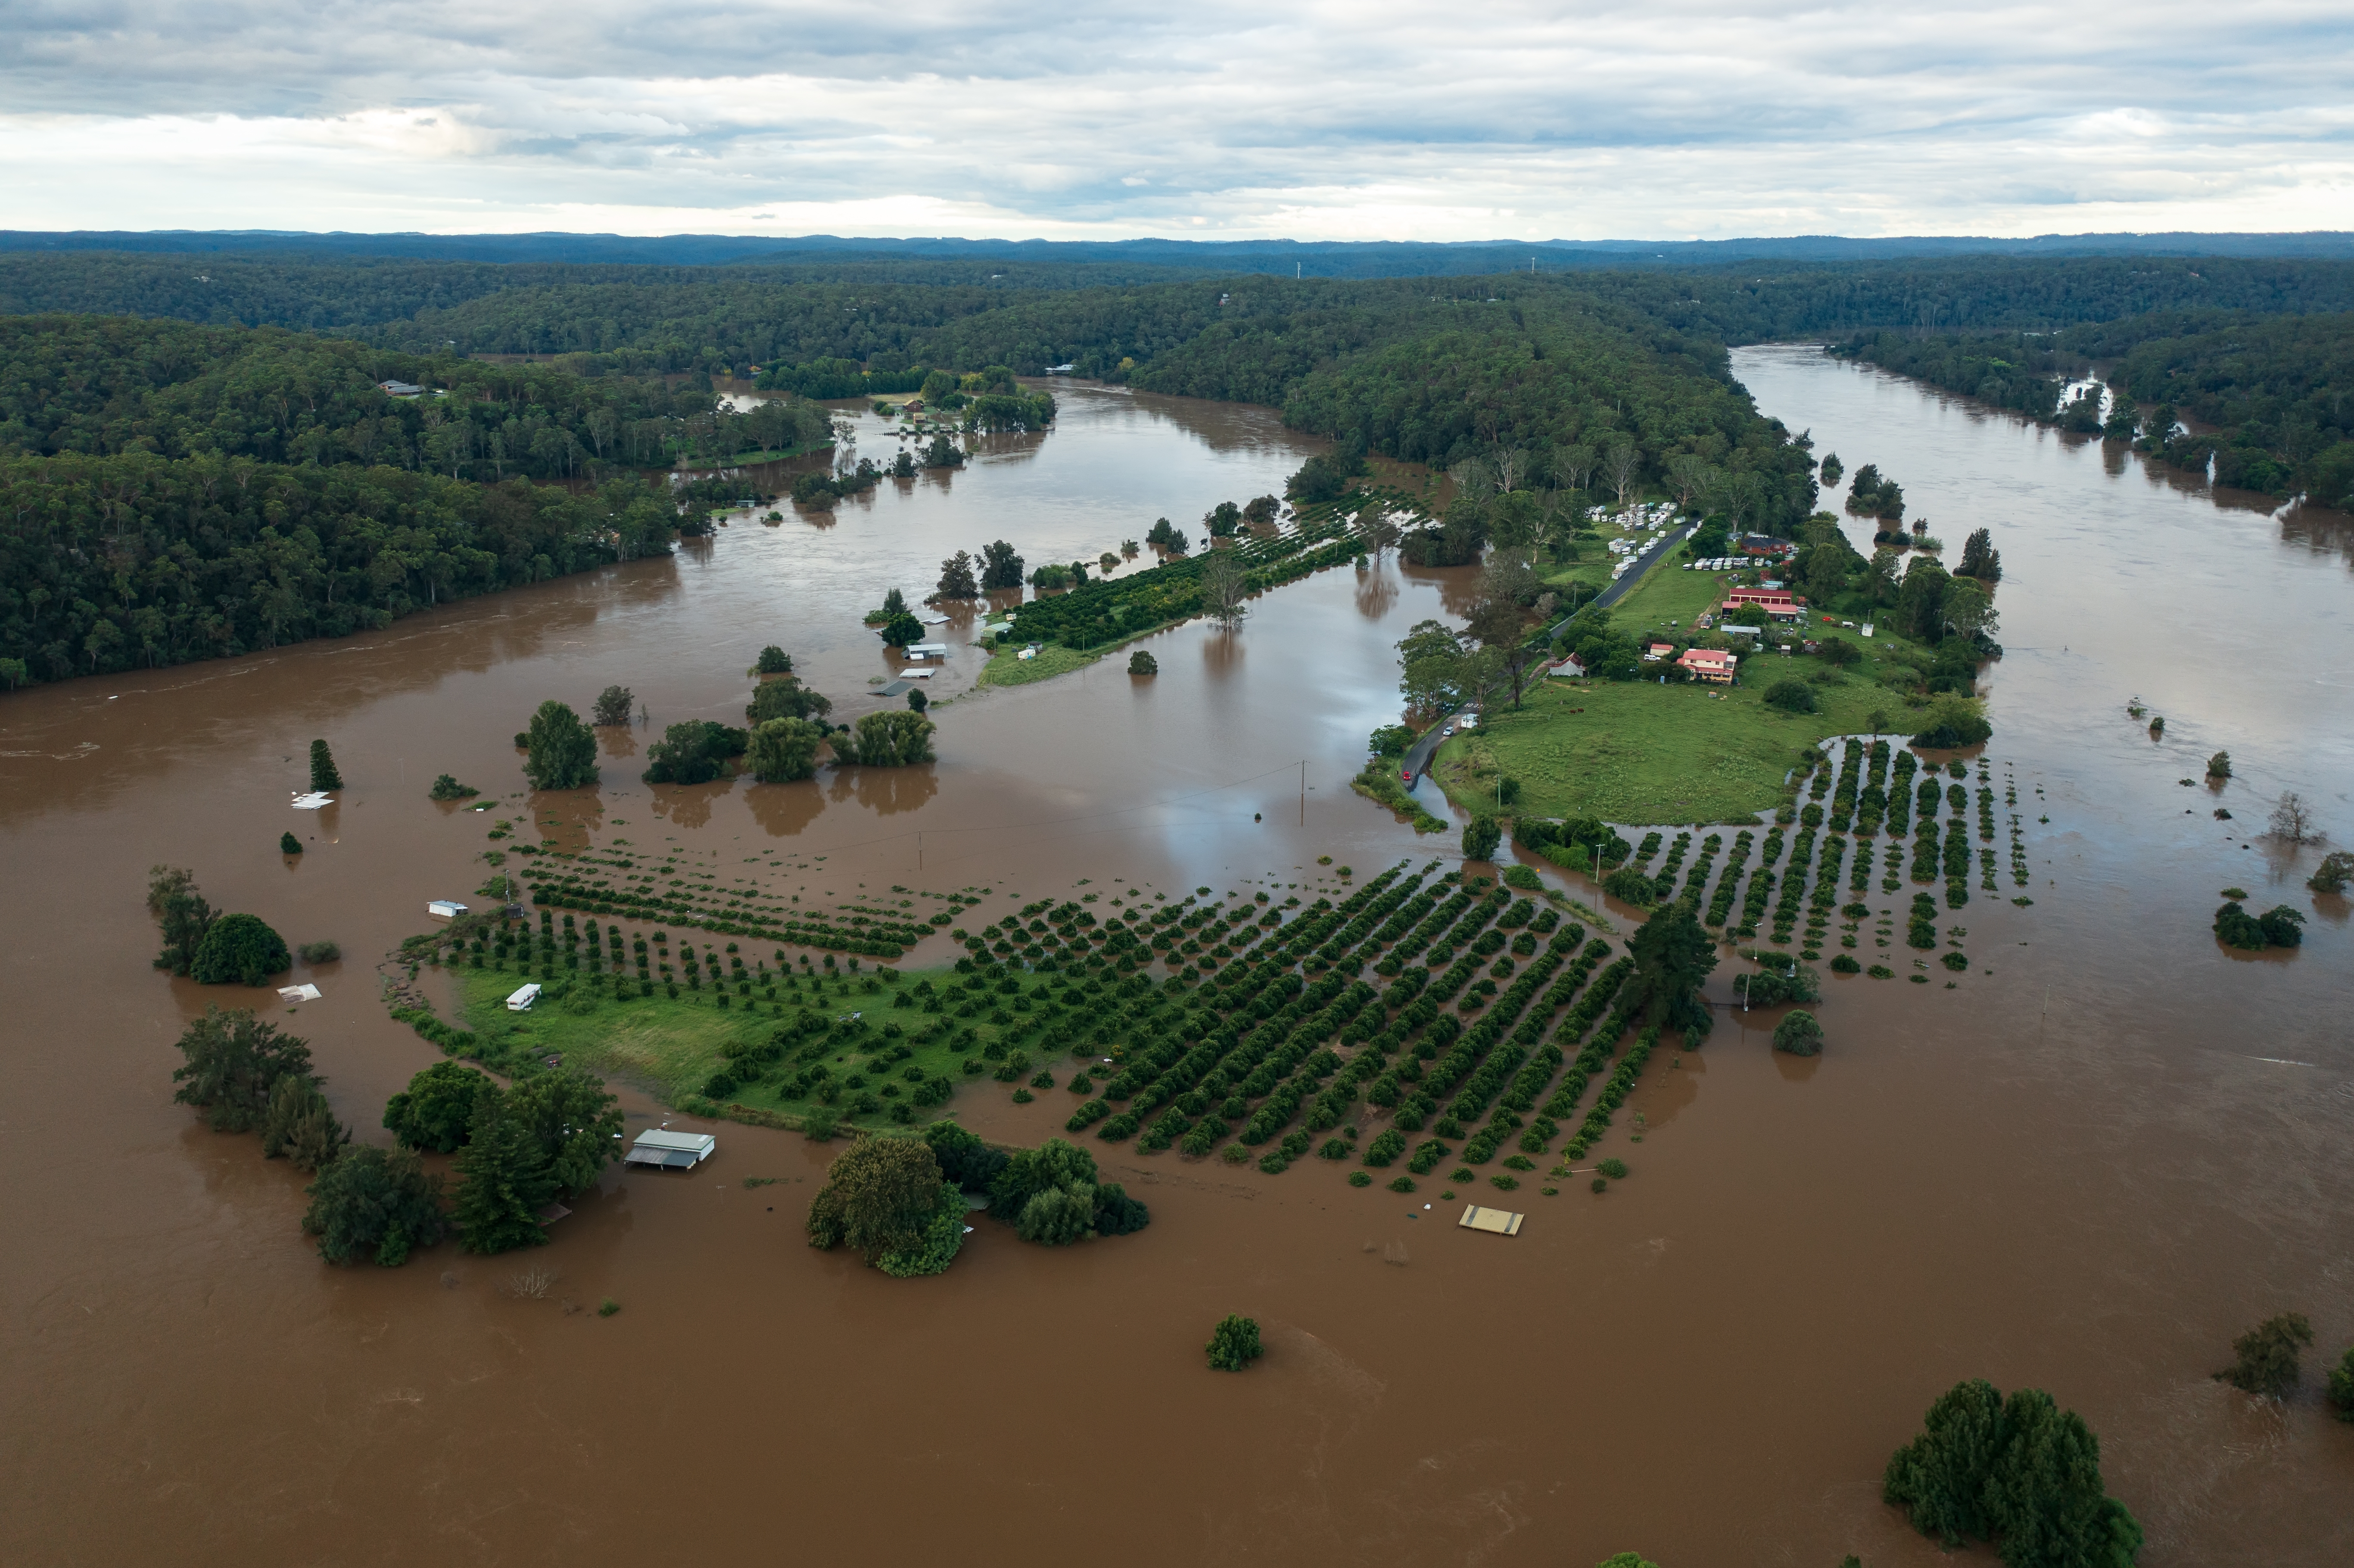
(2085, 1170)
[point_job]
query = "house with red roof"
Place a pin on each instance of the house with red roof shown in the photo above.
(1714, 665)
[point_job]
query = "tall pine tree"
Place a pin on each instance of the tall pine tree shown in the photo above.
(322, 767)
(505, 1181)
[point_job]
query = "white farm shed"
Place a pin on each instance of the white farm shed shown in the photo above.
(445, 908)
(669, 1151)
(522, 999)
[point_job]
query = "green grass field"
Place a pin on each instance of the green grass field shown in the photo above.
(1669, 594)
(1640, 753)
(672, 1047)
(1006, 668)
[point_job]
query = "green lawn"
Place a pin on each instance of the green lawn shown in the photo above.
(1669, 593)
(1007, 668)
(1641, 753)
(673, 1046)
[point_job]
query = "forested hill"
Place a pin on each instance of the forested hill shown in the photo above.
(2278, 391)
(105, 384)
(711, 319)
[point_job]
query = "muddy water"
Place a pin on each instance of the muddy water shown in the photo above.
(2076, 1172)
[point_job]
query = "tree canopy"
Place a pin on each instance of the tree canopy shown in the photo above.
(2020, 1472)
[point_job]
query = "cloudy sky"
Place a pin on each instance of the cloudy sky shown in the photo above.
(1369, 120)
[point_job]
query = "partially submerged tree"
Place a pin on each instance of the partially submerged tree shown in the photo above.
(956, 579)
(504, 1182)
(1673, 956)
(1235, 1343)
(616, 703)
(2293, 821)
(322, 767)
(231, 1065)
(1000, 567)
(2265, 1359)
(300, 1126)
(783, 751)
(446, 788)
(786, 698)
(436, 1109)
(886, 740)
(1800, 1034)
(239, 950)
(2021, 1472)
(181, 915)
(373, 1202)
(560, 752)
(887, 1197)
(1222, 588)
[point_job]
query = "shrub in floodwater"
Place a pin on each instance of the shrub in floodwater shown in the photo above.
(2266, 1356)
(1845, 965)
(289, 845)
(2336, 869)
(1234, 1344)
(1599, 1184)
(1504, 1183)
(1142, 663)
(1360, 1178)
(1613, 1168)
(241, 949)
(1880, 971)
(446, 788)
(1800, 1034)
(2020, 1469)
(1406, 1184)
(1958, 962)
(2342, 1387)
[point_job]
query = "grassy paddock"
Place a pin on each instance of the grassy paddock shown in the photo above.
(1005, 669)
(1643, 752)
(673, 1046)
(1670, 593)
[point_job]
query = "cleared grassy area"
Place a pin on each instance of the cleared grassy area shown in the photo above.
(1641, 753)
(673, 1046)
(1669, 594)
(1007, 668)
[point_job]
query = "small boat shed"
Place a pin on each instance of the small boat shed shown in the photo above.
(522, 999)
(1501, 1222)
(927, 649)
(445, 908)
(669, 1150)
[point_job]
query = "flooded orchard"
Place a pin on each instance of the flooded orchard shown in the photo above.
(2084, 1169)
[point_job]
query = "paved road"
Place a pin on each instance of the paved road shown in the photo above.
(1418, 757)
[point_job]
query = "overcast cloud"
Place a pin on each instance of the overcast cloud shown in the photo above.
(1356, 121)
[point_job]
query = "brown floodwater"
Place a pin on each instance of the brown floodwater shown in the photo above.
(2111, 1148)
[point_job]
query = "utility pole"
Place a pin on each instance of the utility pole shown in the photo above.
(1303, 791)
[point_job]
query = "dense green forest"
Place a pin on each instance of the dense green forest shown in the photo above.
(2278, 391)
(104, 385)
(122, 562)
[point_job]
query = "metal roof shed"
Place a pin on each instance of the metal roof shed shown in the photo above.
(522, 999)
(669, 1150)
(446, 908)
(1499, 1221)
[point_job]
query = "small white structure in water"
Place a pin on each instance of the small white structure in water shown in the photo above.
(927, 649)
(918, 674)
(669, 1150)
(305, 992)
(522, 999)
(314, 800)
(445, 908)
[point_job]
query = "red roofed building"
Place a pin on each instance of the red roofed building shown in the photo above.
(1710, 664)
(1777, 602)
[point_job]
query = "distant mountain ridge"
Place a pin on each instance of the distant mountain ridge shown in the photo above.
(1315, 259)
